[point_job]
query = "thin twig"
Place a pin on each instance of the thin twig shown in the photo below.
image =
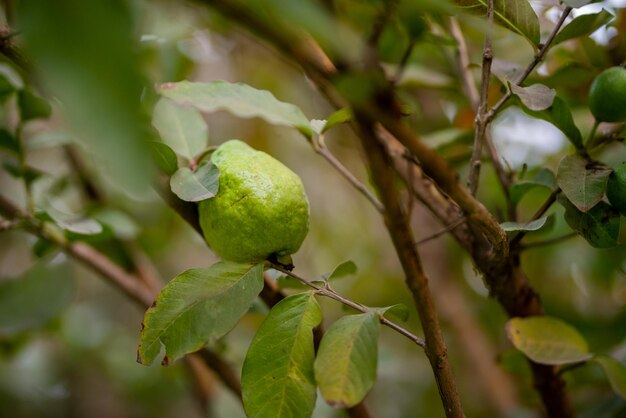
(529, 69)
(441, 232)
(481, 122)
(320, 147)
(546, 242)
(329, 293)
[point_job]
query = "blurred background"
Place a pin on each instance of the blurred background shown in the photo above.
(68, 338)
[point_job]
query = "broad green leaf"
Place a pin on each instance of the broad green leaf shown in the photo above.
(194, 186)
(277, 378)
(599, 226)
(399, 310)
(336, 118)
(288, 282)
(182, 128)
(544, 178)
(583, 25)
(196, 306)
(345, 367)
(535, 97)
(32, 106)
(344, 269)
(94, 72)
(516, 15)
(8, 141)
(616, 373)
(239, 99)
(547, 340)
(520, 226)
(582, 181)
(33, 299)
(560, 116)
(164, 157)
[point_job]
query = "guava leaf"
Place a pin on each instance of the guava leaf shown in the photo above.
(194, 186)
(544, 178)
(547, 340)
(10, 80)
(239, 99)
(196, 306)
(535, 97)
(336, 118)
(72, 222)
(345, 367)
(33, 299)
(575, 4)
(32, 106)
(182, 128)
(560, 116)
(521, 226)
(615, 372)
(583, 25)
(8, 141)
(164, 157)
(599, 226)
(277, 379)
(582, 181)
(399, 310)
(344, 269)
(516, 15)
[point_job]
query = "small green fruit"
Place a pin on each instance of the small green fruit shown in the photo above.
(607, 95)
(616, 189)
(260, 210)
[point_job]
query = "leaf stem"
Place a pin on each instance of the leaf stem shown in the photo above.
(328, 292)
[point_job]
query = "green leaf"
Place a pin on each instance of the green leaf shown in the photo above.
(344, 269)
(582, 181)
(195, 306)
(535, 97)
(32, 106)
(164, 157)
(33, 299)
(583, 25)
(277, 379)
(182, 128)
(575, 4)
(8, 141)
(516, 15)
(599, 226)
(336, 118)
(123, 225)
(544, 178)
(345, 367)
(194, 186)
(399, 310)
(560, 116)
(520, 226)
(547, 340)
(10, 80)
(239, 99)
(616, 373)
(29, 174)
(72, 222)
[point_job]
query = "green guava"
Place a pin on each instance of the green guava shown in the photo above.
(616, 189)
(607, 95)
(260, 211)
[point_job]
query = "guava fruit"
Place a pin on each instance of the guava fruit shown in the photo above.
(616, 189)
(607, 95)
(260, 210)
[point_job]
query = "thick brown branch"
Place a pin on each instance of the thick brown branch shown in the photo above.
(402, 237)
